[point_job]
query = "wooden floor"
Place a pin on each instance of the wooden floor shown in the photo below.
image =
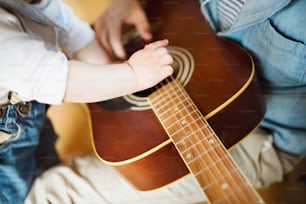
(71, 123)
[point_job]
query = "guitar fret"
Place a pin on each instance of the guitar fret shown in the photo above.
(159, 101)
(200, 156)
(234, 178)
(174, 107)
(226, 186)
(216, 181)
(220, 152)
(181, 115)
(188, 137)
(183, 122)
(190, 133)
(172, 93)
(172, 102)
(183, 133)
(240, 194)
(184, 107)
(211, 164)
(206, 169)
(194, 146)
(200, 148)
(228, 197)
(210, 179)
(156, 96)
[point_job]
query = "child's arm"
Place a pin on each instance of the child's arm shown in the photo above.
(88, 82)
(34, 72)
(92, 53)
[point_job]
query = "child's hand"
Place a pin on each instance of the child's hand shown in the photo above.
(151, 64)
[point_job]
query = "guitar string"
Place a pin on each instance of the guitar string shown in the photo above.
(208, 142)
(232, 164)
(204, 146)
(240, 177)
(212, 176)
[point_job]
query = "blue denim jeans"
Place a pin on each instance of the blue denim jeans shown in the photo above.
(273, 32)
(17, 162)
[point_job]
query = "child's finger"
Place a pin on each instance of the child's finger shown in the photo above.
(166, 60)
(162, 51)
(157, 44)
(166, 70)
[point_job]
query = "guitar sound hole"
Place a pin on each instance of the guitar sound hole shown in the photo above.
(183, 66)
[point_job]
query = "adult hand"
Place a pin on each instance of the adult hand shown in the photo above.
(108, 25)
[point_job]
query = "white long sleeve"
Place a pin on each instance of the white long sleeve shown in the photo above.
(27, 66)
(30, 61)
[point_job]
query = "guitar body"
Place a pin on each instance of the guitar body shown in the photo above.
(221, 84)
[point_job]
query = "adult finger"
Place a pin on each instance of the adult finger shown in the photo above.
(143, 27)
(115, 42)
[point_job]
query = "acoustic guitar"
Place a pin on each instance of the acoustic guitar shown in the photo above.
(187, 123)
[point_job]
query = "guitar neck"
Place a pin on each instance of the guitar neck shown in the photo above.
(200, 148)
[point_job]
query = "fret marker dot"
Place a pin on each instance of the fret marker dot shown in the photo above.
(188, 156)
(224, 186)
(210, 141)
(175, 109)
(183, 122)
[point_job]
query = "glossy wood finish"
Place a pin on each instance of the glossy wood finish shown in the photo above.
(199, 147)
(222, 87)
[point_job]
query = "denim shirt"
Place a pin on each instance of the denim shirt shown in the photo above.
(273, 31)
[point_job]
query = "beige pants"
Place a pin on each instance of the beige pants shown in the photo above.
(86, 180)
(260, 161)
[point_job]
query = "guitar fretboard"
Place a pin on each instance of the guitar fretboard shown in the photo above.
(200, 148)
